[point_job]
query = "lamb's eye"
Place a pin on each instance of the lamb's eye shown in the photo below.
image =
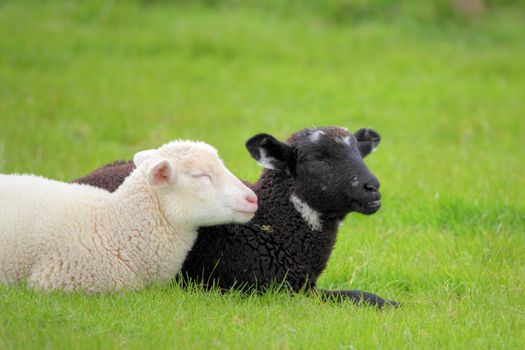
(318, 166)
(201, 176)
(318, 156)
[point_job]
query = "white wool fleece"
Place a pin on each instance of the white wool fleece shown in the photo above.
(56, 235)
(74, 237)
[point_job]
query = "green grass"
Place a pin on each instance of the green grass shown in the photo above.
(82, 84)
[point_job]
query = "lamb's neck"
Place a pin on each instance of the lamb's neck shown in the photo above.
(305, 236)
(291, 218)
(137, 217)
(134, 199)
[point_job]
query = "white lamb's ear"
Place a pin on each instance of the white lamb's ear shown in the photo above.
(160, 173)
(142, 156)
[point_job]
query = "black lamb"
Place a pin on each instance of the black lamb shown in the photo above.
(308, 186)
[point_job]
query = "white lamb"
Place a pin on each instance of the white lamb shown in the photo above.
(57, 235)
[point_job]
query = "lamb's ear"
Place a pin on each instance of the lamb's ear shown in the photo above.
(367, 140)
(270, 152)
(160, 173)
(142, 156)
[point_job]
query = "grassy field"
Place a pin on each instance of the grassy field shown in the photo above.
(82, 84)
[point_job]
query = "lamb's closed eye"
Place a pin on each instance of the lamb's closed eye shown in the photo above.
(201, 176)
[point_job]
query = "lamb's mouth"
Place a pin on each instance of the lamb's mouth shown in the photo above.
(374, 204)
(245, 212)
(367, 207)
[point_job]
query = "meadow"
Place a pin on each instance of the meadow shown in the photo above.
(86, 83)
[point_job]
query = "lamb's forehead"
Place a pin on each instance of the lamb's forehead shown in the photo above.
(190, 153)
(315, 135)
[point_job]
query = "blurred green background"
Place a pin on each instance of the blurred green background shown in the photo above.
(83, 83)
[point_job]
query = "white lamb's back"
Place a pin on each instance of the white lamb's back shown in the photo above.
(37, 213)
(30, 196)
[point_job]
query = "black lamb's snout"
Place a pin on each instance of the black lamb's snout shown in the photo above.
(372, 185)
(371, 188)
(366, 199)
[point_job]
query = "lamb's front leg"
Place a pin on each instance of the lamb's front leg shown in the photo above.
(355, 296)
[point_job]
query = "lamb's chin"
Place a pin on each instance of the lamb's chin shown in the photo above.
(242, 217)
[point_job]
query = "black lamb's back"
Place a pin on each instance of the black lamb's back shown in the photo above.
(108, 177)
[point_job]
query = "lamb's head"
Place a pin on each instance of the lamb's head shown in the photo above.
(193, 185)
(327, 167)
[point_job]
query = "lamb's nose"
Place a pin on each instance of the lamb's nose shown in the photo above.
(251, 198)
(372, 187)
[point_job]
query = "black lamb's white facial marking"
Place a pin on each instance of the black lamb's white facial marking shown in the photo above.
(330, 177)
(354, 181)
(316, 136)
(345, 139)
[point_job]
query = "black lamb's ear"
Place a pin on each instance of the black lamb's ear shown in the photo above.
(367, 140)
(270, 152)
